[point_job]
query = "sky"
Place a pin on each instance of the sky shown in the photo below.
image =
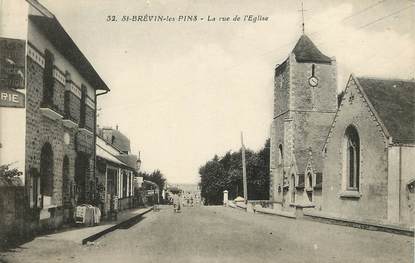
(183, 91)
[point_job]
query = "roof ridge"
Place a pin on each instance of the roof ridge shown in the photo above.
(384, 78)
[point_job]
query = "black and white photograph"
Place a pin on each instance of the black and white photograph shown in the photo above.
(207, 131)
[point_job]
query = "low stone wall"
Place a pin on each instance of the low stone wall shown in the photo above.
(13, 224)
(262, 203)
(311, 214)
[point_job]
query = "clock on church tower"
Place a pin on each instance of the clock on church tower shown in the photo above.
(305, 102)
(313, 81)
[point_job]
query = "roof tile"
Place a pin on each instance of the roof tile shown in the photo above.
(306, 51)
(394, 102)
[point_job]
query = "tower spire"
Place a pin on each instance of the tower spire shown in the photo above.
(302, 17)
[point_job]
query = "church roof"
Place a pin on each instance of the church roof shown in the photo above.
(394, 102)
(306, 51)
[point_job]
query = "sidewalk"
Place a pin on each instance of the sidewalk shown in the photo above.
(81, 235)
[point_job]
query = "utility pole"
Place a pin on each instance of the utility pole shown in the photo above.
(244, 169)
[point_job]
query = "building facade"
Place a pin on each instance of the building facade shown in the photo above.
(115, 178)
(58, 120)
(304, 106)
(346, 158)
(368, 168)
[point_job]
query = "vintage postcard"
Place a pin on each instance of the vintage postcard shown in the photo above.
(207, 131)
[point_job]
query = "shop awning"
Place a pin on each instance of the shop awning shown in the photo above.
(107, 156)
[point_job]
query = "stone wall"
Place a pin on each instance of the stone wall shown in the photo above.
(63, 140)
(281, 106)
(73, 109)
(281, 88)
(373, 191)
(278, 162)
(13, 228)
(302, 119)
(310, 130)
(401, 197)
(407, 215)
(323, 97)
(89, 118)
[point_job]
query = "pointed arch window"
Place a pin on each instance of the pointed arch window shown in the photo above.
(353, 158)
(309, 180)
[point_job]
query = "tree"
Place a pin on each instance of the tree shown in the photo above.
(7, 173)
(156, 177)
(212, 182)
(225, 173)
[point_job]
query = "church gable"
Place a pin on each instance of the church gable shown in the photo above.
(358, 116)
(355, 173)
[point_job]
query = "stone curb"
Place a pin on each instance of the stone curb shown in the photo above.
(342, 222)
(360, 225)
(277, 213)
(124, 223)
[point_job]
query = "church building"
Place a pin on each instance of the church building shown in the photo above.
(346, 159)
(369, 152)
(305, 102)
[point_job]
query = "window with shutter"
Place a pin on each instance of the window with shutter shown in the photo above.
(48, 79)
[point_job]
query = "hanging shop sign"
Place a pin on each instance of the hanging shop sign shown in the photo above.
(11, 98)
(12, 63)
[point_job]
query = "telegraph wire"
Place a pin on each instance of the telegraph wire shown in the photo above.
(384, 17)
(167, 97)
(364, 10)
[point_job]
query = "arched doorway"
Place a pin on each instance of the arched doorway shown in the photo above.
(46, 171)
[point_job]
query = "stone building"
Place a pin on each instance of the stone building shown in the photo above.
(369, 153)
(58, 157)
(115, 179)
(117, 169)
(346, 159)
(305, 101)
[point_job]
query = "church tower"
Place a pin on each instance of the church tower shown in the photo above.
(305, 102)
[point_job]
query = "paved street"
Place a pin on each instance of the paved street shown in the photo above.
(217, 234)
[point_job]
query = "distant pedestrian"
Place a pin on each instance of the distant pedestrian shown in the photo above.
(176, 203)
